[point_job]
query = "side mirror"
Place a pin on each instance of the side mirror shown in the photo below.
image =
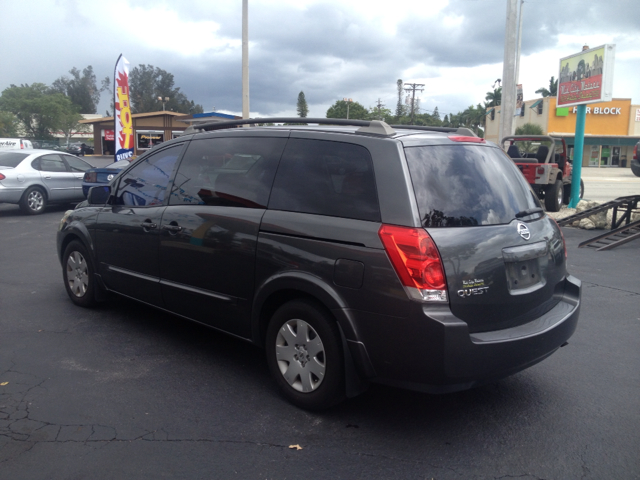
(99, 195)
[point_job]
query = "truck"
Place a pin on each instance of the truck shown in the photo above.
(544, 162)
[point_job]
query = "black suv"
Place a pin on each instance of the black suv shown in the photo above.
(352, 252)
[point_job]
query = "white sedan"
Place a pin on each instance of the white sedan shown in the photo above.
(35, 178)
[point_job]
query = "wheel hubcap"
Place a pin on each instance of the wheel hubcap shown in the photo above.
(77, 274)
(35, 200)
(559, 199)
(300, 355)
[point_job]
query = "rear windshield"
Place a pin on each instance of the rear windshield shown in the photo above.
(464, 185)
(11, 159)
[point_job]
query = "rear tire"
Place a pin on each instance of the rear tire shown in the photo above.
(77, 272)
(33, 201)
(567, 192)
(553, 196)
(304, 354)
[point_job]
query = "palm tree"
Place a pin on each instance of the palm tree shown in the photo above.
(552, 91)
(494, 98)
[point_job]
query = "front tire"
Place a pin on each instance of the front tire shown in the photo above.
(304, 355)
(553, 196)
(77, 272)
(33, 201)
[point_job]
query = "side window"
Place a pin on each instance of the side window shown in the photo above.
(52, 163)
(76, 164)
(326, 178)
(146, 183)
(231, 172)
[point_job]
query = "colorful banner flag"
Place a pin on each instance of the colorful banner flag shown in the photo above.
(122, 114)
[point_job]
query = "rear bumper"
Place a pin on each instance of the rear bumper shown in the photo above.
(433, 351)
(10, 194)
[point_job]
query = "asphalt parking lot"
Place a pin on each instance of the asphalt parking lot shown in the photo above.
(125, 391)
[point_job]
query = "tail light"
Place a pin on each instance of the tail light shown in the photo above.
(2, 177)
(635, 152)
(416, 260)
(462, 138)
(90, 177)
(564, 244)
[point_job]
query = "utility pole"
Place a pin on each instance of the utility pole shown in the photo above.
(379, 107)
(412, 87)
(508, 106)
(245, 58)
(517, 75)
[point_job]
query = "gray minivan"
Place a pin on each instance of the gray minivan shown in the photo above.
(353, 252)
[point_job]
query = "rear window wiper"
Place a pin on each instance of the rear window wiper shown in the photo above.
(530, 211)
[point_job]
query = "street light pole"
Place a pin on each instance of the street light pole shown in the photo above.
(348, 100)
(166, 99)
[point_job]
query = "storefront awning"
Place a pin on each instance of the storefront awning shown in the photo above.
(536, 104)
(611, 141)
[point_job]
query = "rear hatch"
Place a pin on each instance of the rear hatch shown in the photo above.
(503, 267)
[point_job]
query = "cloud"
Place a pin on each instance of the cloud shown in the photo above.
(329, 49)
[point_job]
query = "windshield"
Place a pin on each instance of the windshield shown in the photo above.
(464, 185)
(11, 159)
(119, 164)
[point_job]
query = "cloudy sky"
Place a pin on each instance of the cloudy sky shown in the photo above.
(328, 49)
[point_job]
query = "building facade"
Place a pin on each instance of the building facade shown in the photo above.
(611, 128)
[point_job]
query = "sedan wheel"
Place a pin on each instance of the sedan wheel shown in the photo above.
(33, 201)
(304, 354)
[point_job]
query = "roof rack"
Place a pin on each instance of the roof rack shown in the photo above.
(459, 130)
(372, 127)
(375, 127)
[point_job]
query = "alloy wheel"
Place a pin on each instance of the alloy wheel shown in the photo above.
(77, 274)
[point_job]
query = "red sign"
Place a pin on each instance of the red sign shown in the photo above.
(109, 135)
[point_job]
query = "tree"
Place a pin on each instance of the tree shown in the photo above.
(552, 91)
(70, 123)
(82, 90)
(436, 114)
(379, 113)
(529, 129)
(8, 125)
(147, 83)
(494, 98)
(356, 110)
(302, 108)
(38, 110)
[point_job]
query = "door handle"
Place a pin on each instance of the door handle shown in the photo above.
(148, 225)
(173, 229)
(48, 177)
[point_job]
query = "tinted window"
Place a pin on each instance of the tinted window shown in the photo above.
(234, 172)
(326, 178)
(10, 159)
(459, 185)
(146, 183)
(76, 164)
(51, 163)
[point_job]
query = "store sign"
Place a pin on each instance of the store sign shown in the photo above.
(601, 111)
(109, 135)
(638, 115)
(586, 77)
(123, 121)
